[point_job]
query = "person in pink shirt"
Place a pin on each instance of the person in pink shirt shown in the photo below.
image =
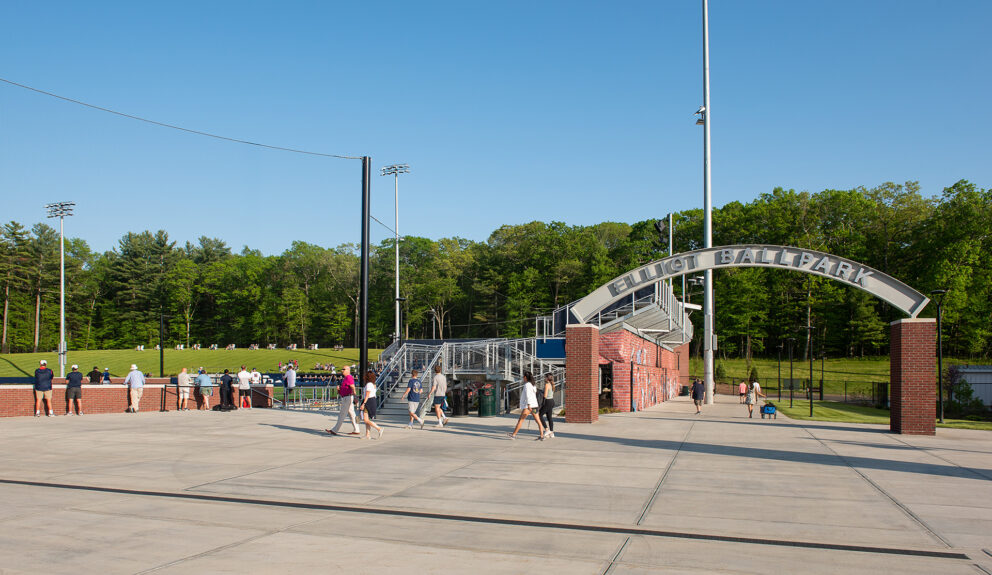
(742, 390)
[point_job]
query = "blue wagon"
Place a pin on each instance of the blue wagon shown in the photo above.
(770, 411)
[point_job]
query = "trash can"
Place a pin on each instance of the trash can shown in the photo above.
(487, 399)
(459, 401)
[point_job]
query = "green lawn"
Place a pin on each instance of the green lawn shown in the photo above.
(119, 361)
(847, 413)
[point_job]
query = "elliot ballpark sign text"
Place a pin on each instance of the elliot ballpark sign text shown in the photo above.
(813, 262)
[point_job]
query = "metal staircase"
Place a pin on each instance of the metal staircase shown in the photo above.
(494, 359)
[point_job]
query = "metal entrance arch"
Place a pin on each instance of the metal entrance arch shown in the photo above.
(846, 271)
(912, 340)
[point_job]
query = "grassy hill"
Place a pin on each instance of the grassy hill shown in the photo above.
(119, 361)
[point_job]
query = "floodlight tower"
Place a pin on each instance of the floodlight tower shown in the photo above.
(395, 170)
(704, 121)
(60, 210)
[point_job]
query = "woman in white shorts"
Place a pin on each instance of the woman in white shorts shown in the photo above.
(528, 406)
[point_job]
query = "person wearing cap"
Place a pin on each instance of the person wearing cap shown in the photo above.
(244, 388)
(106, 376)
(135, 382)
(94, 375)
(226, 385)
(43, 388)
(183, 384)
(206, 385)
(74, 391)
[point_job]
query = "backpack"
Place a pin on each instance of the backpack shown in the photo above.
(540, 396)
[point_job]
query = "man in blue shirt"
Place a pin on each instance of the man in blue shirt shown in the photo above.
(43, 388)
(74, 391)
(106, 375)
(206, 385)
(412, 396)
(135, 382)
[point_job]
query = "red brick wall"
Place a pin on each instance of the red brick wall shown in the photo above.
(18, 400)
(655, 370)
(582, 374)
(913, 383)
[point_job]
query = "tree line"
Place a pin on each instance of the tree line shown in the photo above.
(205, 293)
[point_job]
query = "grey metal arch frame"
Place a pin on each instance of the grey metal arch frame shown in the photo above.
(850, 272)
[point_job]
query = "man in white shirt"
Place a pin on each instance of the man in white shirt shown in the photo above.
(184, 384)
(244, 388)
(439, 388)
(290, 380)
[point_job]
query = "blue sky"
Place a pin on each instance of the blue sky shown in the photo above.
(507, 112)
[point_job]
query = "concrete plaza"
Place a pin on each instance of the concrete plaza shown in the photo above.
(267, 491)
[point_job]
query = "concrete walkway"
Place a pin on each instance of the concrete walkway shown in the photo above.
(266, 491)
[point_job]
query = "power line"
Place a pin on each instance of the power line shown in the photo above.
(180, 128)
(382, 224)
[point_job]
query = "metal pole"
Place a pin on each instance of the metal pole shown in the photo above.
(396, 228)
(671, 243)
(708, 217)
(364, 294)
(161, 345)
(62, 349)
(810, 328)
(780, 372)
(940, 362)
(792, 381)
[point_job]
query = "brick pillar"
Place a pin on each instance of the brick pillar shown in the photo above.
(913, 376)
(581, 374)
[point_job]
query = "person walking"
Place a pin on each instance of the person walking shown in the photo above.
(698, 394)
(546, 411)
(135, 382)
(183, 383)
(43, 388)
(439, 388)
(346, 401)
(412, 397)
(206, 385)
(753, 393)
(742, 391)
(74, 391)
(369, 403)
(528, 406)
(244, 387)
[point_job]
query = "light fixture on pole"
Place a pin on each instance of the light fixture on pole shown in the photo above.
(395, 170)
(940, 293)
(704, 120)
(60, 210)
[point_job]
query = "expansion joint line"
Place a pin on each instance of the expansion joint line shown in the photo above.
(879, 488)
(616, 557)
(668, 468)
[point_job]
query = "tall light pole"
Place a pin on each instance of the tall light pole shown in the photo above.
(704, 119)
(940, 293)
(60, 210)
(395, 170)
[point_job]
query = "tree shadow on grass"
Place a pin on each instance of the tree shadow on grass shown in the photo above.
(15, 366)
